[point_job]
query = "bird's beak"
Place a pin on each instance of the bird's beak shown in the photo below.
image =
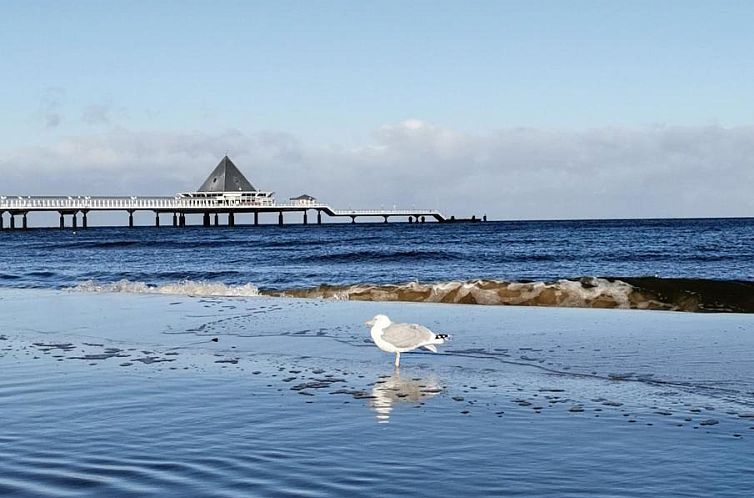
(369, 323)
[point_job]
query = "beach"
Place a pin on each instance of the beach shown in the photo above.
(124, 394)
(376, 249)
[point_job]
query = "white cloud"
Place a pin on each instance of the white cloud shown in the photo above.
(511, 173)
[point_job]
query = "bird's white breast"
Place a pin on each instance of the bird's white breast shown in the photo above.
(376, 332)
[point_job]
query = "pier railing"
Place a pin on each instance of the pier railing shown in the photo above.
(135, 203)
(185, 204)
(382, 212)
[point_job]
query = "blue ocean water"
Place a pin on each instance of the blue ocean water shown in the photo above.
(121, 394)
(296, 256)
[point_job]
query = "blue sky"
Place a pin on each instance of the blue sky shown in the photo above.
(332, 75)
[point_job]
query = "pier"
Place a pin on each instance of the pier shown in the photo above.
(226, 191)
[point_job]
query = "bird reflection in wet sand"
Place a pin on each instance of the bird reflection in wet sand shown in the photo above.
(391, 390)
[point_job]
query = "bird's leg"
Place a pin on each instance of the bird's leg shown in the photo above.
(397, 359)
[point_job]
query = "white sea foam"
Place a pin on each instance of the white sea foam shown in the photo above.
(183, 287)
(583, 293)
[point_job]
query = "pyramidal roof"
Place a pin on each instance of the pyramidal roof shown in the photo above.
(226, 177)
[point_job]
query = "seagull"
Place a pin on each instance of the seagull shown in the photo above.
(401, 337)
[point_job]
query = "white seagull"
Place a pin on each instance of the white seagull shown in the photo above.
(401, 337)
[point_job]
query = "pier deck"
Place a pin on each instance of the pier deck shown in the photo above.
(179, 207)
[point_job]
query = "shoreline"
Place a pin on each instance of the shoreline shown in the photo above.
(124, 388)
(641, 293)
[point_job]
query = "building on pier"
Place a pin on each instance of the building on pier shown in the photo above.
(227, 184)
(303, 200)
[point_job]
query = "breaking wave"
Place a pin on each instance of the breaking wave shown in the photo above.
(183, 287)
(694, 295)
(598, 293)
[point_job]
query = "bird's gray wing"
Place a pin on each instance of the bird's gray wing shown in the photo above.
(407, 335)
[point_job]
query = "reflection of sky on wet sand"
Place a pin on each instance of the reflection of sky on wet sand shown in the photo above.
(391, 390)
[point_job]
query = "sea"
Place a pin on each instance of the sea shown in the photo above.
(677, 264)
(585, 358)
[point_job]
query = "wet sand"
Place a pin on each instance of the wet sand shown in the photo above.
(171, 395)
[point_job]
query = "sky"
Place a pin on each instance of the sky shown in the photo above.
(514, 109)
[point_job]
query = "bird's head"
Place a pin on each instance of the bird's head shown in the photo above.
(379, 320)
